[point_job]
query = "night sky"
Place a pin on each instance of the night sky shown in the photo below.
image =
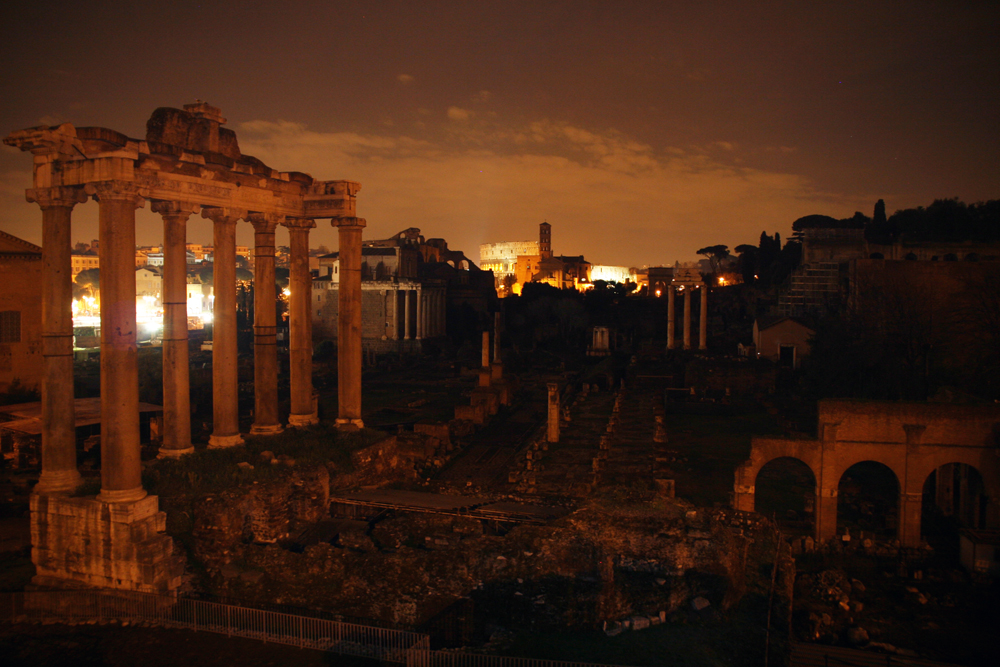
(641, 131)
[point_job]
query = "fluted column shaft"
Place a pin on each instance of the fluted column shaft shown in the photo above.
(687, 318)
(121, 473)
(299, 319)
(406, 314)
(444, 312)
(59, 472)
(176, 380)
(225, 370)
(349, 322)
(671, 316)
(703, 320)
(265, 350)
(420, 313)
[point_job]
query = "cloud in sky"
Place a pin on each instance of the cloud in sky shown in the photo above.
(405, 79)
(608, 197)
(459, 114)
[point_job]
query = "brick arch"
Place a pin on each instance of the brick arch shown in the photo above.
(833, 508)
(765, 450)
(911, 439)
(984, 461)
(777, 481)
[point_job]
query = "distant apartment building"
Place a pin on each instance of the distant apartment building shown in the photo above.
(20, 312)
(148, 282)
(82, 260)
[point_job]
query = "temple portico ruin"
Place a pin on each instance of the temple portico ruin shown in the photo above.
(684, 283)
(187, 164)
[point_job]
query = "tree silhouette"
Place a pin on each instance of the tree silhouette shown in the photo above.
(90, 280)
(716, 254)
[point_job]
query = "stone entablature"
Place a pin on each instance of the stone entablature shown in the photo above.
(70, 156)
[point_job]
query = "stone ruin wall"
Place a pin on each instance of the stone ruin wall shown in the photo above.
(596, 565)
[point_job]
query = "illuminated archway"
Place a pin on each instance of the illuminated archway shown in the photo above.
(786, 490)
(868, 500)
(954, 496)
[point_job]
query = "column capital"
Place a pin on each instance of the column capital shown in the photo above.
(265, 223)
(174, 208)
(127, 191)
(347, 221)
(57, 197)
(301, 224)
(223, 214)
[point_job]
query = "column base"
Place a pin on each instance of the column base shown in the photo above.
(224, 441)
(165, 453)
(122, 495)
(58, 482)
(298, 421)
(345, 424)
(82, 542)
(266, 429)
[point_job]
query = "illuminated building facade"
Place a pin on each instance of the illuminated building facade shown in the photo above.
(20, 312)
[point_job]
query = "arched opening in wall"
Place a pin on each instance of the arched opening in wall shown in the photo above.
(785, 490)
(876, 255)
(954, 497)
(910, 256)
(868, 501)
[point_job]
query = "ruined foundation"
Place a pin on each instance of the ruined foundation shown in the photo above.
(84, 542)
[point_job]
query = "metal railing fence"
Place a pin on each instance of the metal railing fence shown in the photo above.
(233, 621)
(383, 644)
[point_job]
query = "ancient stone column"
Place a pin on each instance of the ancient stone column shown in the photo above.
(121, 473)
(552, 433)
(444, 311)
(703, 320)
(265, 350)
(420, 313)
(59, 471)
(671, 317)
(687, 319)
(496, 338)
(406, 314)
(486, 349)
(826, 512)
(225, 378)
(303, 412)
(908, 530)
(176, 380)
(394, 313)
(349, 323)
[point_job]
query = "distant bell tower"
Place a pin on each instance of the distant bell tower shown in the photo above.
(545, 240)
